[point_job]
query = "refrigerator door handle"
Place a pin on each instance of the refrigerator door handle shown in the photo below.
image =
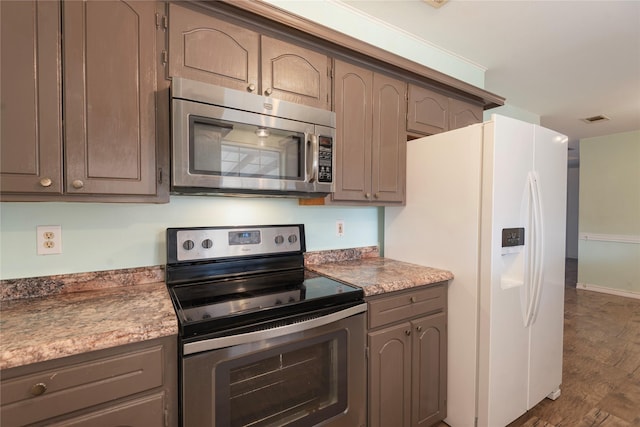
(539, 270)
(536, 250)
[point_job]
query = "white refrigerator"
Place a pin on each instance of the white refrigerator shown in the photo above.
(488, 203)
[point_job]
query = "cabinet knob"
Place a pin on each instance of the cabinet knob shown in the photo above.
(407, 332)
(46, 182)
(376, 195)
(38, 389)
(77, 184)
(419, 328)
(412, 299)
(367, 195)
(251, 87)
(268, 92)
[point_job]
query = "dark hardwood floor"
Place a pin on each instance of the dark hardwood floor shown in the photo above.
(601, 364)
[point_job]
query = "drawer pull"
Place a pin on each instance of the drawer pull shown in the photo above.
(412, 299)
(38, 389)
(419, 328)
(407, 332)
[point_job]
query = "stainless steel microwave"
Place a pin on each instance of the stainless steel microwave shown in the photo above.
(226, 141)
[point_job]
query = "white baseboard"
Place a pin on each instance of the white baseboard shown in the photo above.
(611, 291)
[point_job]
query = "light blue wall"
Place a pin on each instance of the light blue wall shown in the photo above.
(346, 20)
(112, 236)
(609, 224)
(104, 236)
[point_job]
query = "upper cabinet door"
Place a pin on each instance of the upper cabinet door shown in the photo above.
(109, 97)
(427, 111)
(463, 113)
(389, 139)
(354, 117)
(31, 140)
(209, 50)
(295, 74)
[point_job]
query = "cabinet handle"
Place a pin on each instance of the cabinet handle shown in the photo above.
(38, 389)
(407, 332)
(46, 182)
(367, 195)
(268, 91)
(77, 184)
(376, 195)
(251, 87)
(419, 328)
(412, 299)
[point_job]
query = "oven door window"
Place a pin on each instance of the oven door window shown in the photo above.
(298, 384)
(225, 148)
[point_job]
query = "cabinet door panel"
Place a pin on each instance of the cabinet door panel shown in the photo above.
(294, 73)
(207, 49)
(390, 376)
(353, 94)
(389, 139)
(463, 114)
(31, 140)
(429, 370)
(427, 111)
(109, 97)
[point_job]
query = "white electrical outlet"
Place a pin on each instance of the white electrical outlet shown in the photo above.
(340, 228)
(49, 239)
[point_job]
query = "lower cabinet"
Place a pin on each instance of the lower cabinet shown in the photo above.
(132, 385)
(407, 348)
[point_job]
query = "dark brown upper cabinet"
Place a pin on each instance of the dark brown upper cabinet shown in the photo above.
(106, 86)
(370, 110)
(31, 140)
(205, 48)
(430, 112)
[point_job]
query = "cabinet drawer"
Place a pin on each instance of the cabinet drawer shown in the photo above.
(406, 305)
(53, 392)
(144, 412)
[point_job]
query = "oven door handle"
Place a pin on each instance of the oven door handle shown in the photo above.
(232, 340)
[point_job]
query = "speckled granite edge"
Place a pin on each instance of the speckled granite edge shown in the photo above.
(33, 287)
(337, 255)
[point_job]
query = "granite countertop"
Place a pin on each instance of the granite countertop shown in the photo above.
(57, 316)
(43, 328)
(380, 275)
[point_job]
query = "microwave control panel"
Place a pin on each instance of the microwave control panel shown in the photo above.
(325, 159)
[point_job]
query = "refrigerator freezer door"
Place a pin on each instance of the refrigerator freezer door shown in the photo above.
(503, 336)
(439, 227)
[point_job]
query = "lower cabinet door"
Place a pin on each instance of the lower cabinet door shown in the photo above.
(390, 376)
(429, 370)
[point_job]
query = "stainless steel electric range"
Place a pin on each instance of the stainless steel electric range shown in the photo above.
(263, 342)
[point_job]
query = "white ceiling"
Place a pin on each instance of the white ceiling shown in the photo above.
(562, 60)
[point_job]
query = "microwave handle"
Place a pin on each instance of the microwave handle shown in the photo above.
(313, 151)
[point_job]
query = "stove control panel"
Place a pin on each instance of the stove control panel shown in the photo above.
(192, 244)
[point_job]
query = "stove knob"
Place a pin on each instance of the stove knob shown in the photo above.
(292, 299)
(278, 302)
(188, 245)
(279, 239)
(293, 238)
(207, 243)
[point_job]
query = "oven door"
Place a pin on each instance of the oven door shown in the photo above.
(217, 149)
(315, 376)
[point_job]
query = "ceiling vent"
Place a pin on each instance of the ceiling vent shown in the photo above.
(435, 3)
(596, 119)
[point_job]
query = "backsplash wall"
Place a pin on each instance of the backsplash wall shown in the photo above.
(108, 236)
